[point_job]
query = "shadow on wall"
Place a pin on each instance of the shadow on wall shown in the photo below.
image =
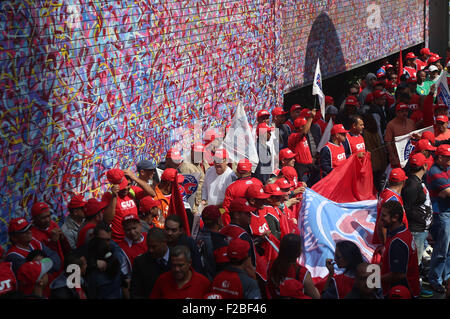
(323, 43)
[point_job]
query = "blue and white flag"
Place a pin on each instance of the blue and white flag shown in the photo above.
(443, 92)
(323, 222)
(317, 88)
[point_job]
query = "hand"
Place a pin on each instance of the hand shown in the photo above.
(313, 112)
(115, 190)
(101, 265)
(432, 89)
(415, 136)
(130, 174)
(361, 154)
(379, 250)
(266, 233)
(293, 201)
(330, 266)
(55, 234)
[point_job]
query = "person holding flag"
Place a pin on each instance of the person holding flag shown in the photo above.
(299, 145)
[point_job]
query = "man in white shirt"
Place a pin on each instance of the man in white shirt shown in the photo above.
(217, 178)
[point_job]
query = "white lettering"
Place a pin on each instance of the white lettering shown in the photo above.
(374, 279)
(74, 279)
(341, 156)
(5, 284)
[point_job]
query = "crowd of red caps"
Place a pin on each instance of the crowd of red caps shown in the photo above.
(243, 205)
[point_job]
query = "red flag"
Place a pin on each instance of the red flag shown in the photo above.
(176, 205)
(400, 66)
(350, 182)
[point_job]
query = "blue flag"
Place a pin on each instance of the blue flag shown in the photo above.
(323, 222)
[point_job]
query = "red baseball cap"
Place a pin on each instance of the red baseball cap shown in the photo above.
(117, 177)
(31, 272)
(397, 175)
(273, 190)
(284, 183)
(174, 154)
(244, 166)
(130, 217)
(441, 118)
(148, 203)
(240, 204)
(434, 58)
(429, 136)
(299, 122)
(263, 126)
(93, 207)
(221, 154)
(169, 175)
(399, 292)
(39, 208)
(351, 100)
(378, 94)
(278, 111)
(18, 225)
(198, 147)
(425, 51)
(417, 160)
(290, 174)
(329, 100)
(238, 249)
(77, 201)
(262, 113)
(295, 107)
(211, 212)
(401, 106)
(410, 55)
(443, 149)
(286, 153)
(306, 113)
(256, 191)
(338, 129)
(424, 145)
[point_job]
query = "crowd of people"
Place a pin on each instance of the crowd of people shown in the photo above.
(241, 239)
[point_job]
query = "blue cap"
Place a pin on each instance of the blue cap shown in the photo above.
(145, 164)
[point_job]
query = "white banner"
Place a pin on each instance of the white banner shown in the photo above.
(239, 141)
(317, 88)
(404, 146)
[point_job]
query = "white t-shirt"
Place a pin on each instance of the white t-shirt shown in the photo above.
(214, 186)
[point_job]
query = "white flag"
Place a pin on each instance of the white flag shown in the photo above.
(404, 146)
(443, 93)
(317, 88)
(326, 135)
(239, 141)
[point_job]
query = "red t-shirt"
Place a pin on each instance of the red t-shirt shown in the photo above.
(298, 144)
(238, 189)
(228, 285)
(8, 281)
(166, 287)
(337, 154)
(133, 250)
(420, 64)
(124, 206)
